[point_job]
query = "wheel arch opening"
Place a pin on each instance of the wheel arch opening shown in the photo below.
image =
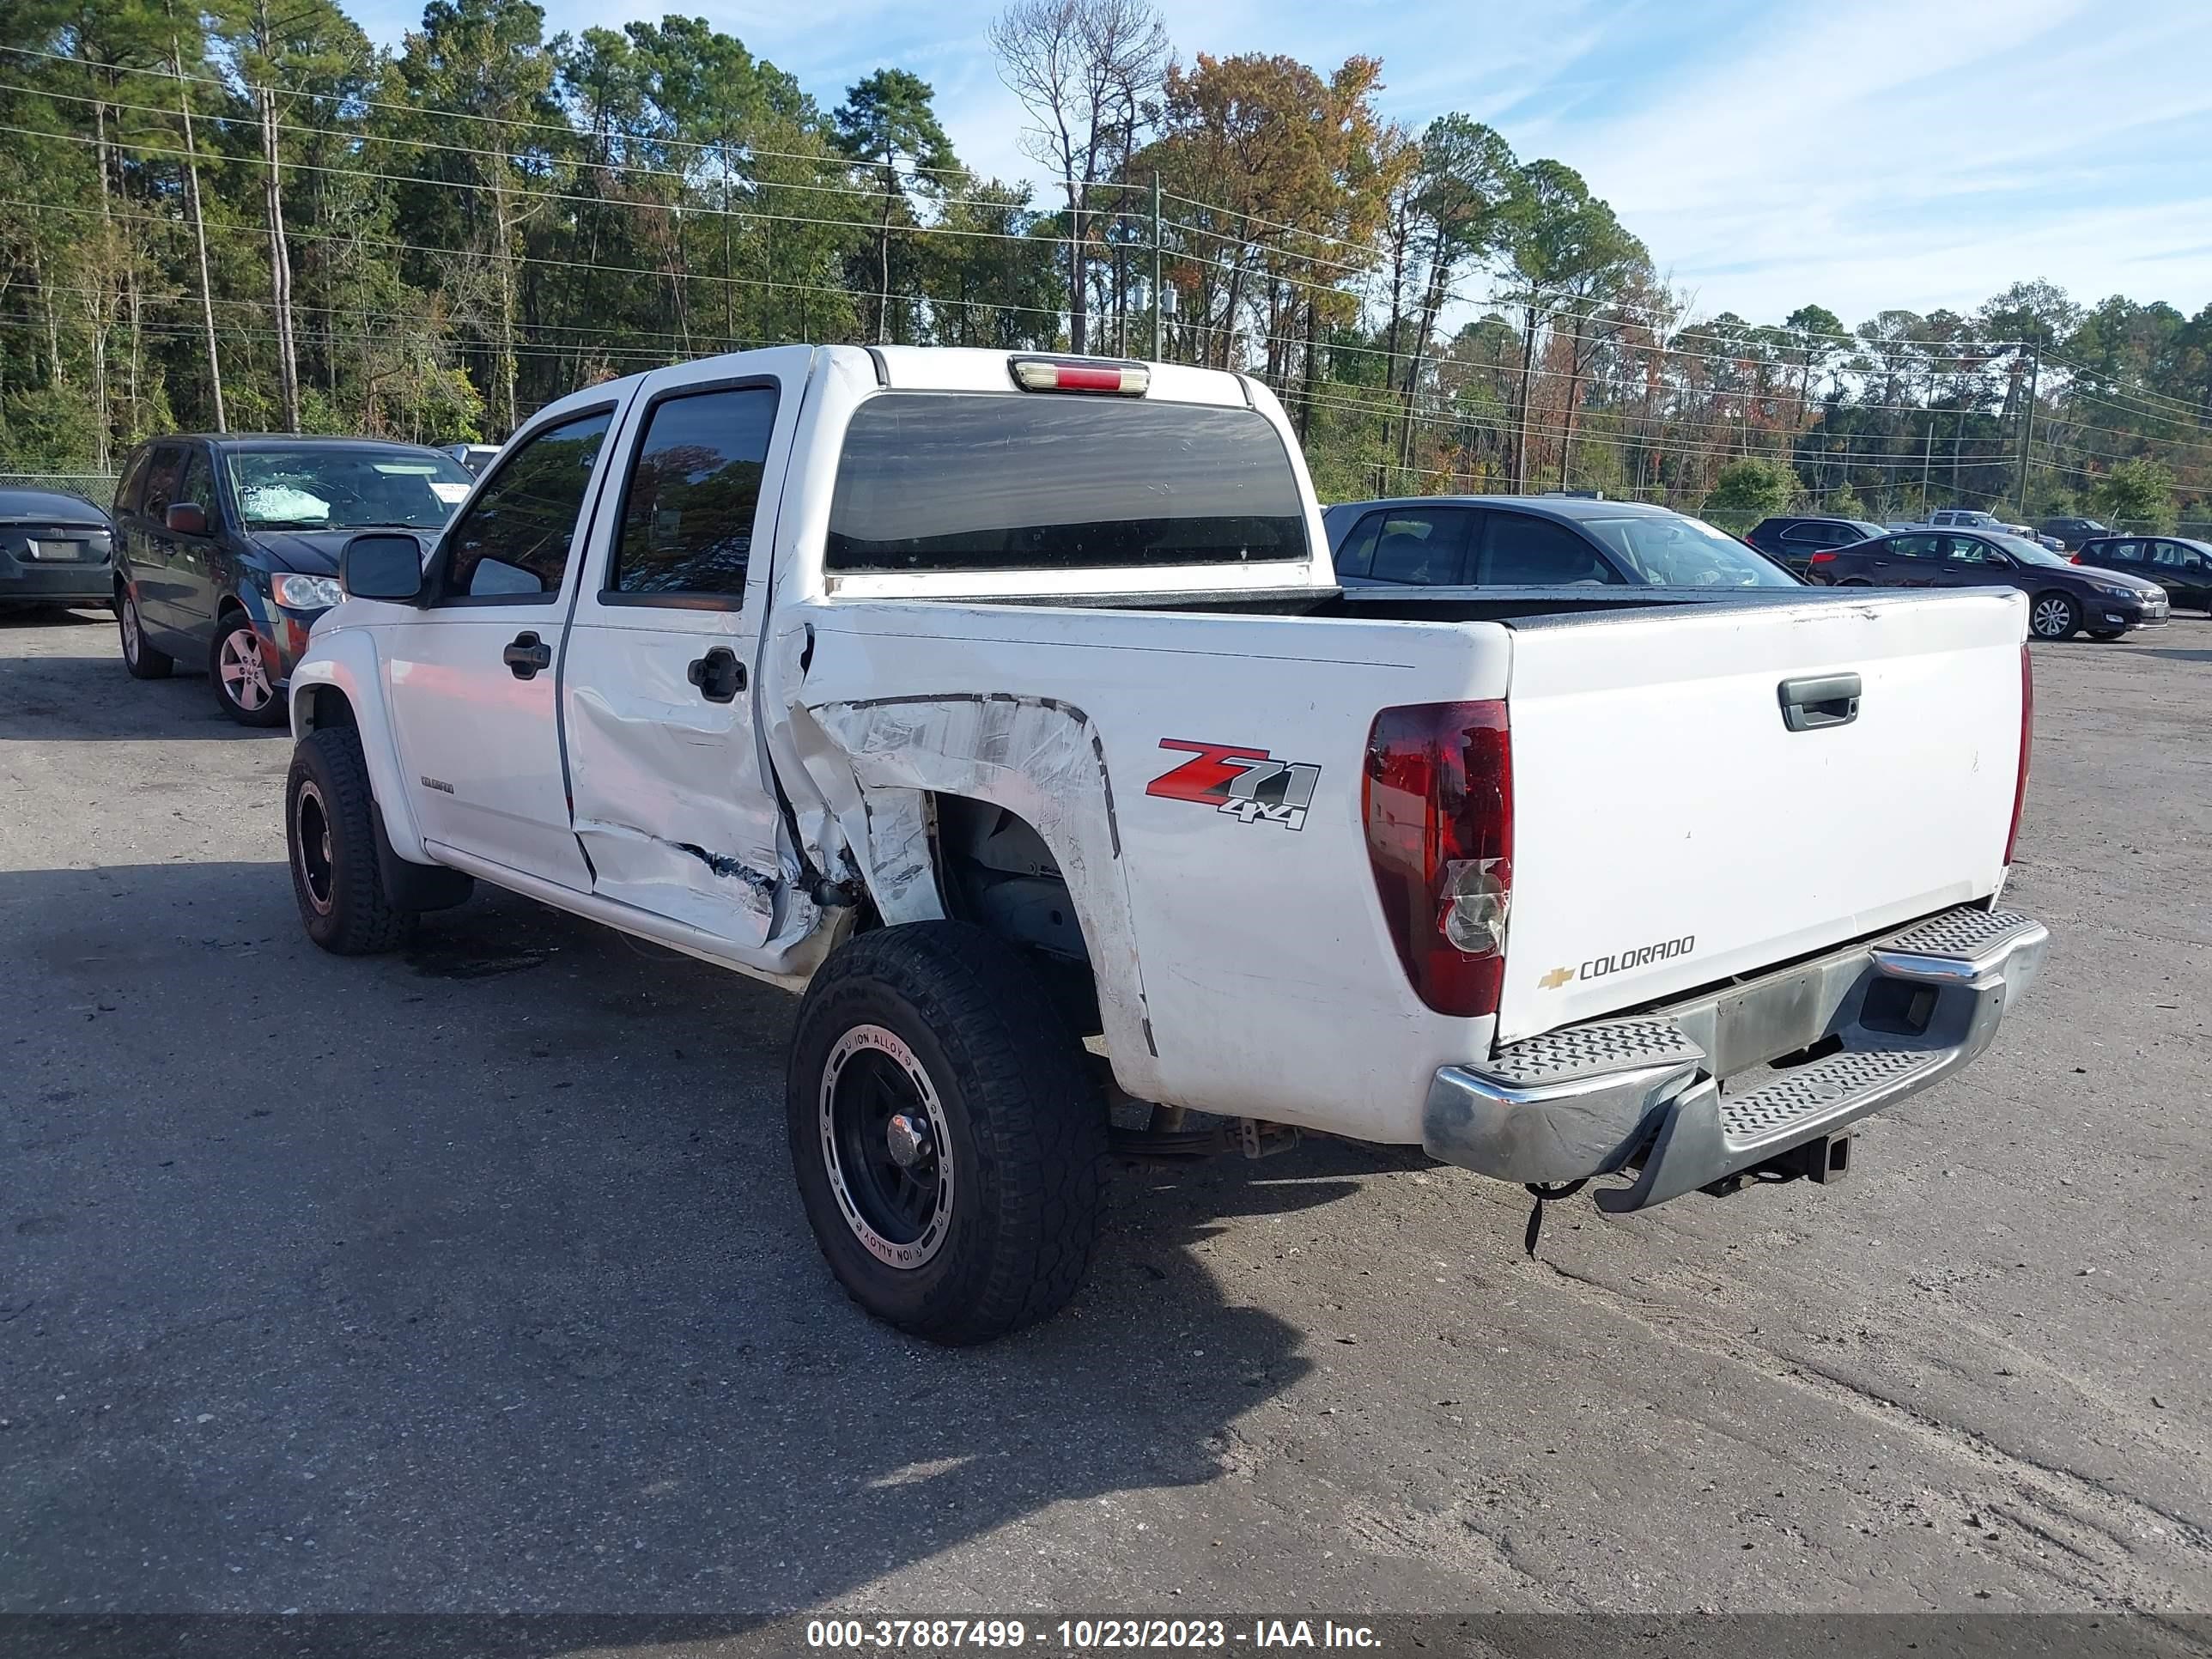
(995, 870)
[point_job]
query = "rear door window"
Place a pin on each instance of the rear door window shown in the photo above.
(1520, 550)
(1412, 546)
(932, 481)
(687, 523)
(2120, 553)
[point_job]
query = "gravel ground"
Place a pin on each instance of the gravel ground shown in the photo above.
(474, 1278)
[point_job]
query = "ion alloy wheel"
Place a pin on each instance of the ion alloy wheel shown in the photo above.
(887, 1147)
(2053, 616)
(241, 670)
(141, 659)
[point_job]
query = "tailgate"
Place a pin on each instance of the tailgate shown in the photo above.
(1671, 830)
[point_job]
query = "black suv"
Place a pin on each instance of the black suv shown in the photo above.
(2062, 597)
(228, 547)
(1796, 540)
(2182, 567)
(2072, 531)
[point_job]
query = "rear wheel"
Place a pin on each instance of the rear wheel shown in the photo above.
(2053, 616)
(141, 659)
(244, 674)
(948, 1138)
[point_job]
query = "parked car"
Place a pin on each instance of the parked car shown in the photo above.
(1009, 706)
(1526, 541)
(1794, 540)
(2063, 597)
(2072, 533)
(229, 549)
(1964, 518)
(475, 457)
(55, 549)
(2180, 565)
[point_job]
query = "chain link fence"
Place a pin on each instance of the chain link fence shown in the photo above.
(97, 488)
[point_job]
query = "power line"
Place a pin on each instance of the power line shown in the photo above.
(353, 100)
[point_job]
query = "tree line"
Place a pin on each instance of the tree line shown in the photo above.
(248, 216)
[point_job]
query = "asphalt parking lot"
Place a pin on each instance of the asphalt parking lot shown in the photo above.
(474, 1278)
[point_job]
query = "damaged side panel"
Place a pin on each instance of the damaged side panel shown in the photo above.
(876, 761)
(661, 806)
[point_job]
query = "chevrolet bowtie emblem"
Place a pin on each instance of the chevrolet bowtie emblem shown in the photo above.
(1556, 978)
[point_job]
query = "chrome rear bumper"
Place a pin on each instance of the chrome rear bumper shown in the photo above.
(1647, 1093)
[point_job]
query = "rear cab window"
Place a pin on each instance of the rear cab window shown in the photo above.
(980, 482)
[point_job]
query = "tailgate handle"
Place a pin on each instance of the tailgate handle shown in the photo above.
(1825, 699)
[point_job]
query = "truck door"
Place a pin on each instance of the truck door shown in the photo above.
(669, 781)
(473, 675)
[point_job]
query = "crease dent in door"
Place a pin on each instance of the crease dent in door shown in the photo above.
(651, 763)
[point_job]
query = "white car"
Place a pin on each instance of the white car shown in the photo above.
(1008, 708)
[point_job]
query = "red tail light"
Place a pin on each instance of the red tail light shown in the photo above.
(2027, 741)
(1438, 799)
(2072, 558)
(1821, 558)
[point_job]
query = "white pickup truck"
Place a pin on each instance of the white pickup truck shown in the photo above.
(1006, 708)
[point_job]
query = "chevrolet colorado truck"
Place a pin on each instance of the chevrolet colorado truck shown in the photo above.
(1006, 708)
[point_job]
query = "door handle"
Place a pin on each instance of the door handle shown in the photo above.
(526, 654)
(1822, 700)
(718, 675)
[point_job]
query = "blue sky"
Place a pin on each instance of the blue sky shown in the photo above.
(1856, 153)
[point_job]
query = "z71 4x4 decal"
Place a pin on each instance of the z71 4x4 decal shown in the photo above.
(1246, 783)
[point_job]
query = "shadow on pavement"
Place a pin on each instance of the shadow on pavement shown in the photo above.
(92, 699)
(473, 1278)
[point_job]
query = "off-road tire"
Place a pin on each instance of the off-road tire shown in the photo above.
(353, 916)
(141, 659)
(1023, 1117)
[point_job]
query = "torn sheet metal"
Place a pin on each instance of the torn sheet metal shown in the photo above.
(873, 760)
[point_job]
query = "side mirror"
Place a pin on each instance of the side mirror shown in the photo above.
(382, 566)
(186, 518)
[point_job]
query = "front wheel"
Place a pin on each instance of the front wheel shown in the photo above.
(949, 1140)
(244, 674)
(2053, 616)
(330, 831)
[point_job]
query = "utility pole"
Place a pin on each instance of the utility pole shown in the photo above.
(1157, 307)
(2027, 426)
(1927, 459)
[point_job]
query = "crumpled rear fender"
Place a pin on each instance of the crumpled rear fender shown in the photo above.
(876, 761)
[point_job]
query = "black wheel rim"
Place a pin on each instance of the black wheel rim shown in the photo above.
(310, 849)
(885, 1145)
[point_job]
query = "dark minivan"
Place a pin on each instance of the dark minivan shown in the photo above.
(228, 547)
(2062, 597)
(2177, 564)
